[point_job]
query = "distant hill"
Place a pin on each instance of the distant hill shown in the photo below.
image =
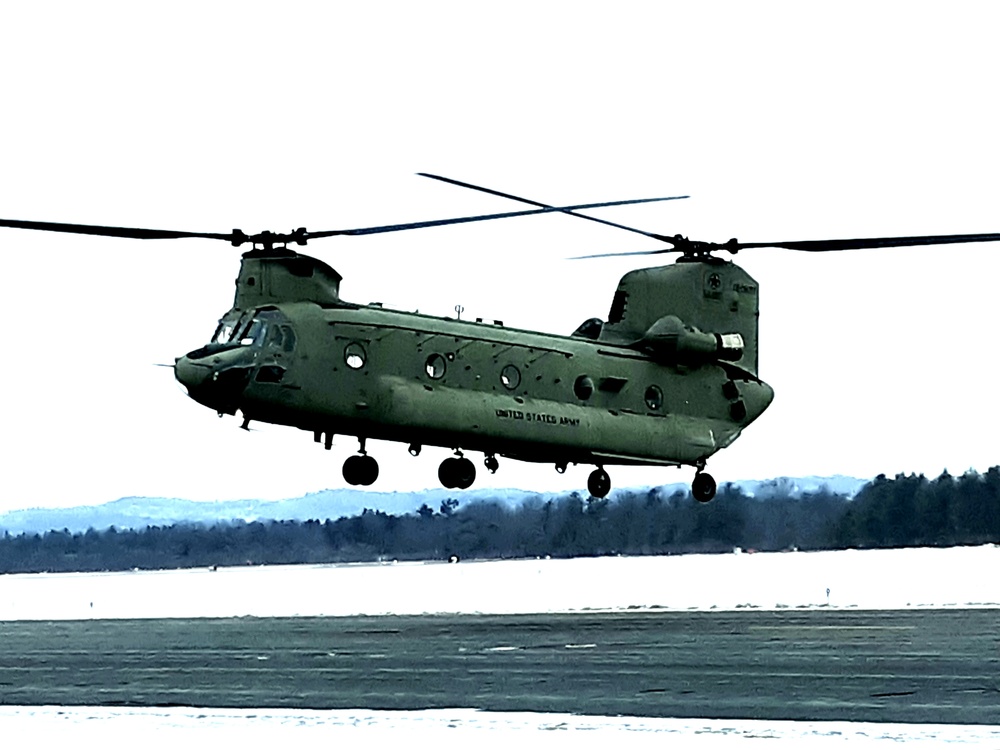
(140, 512)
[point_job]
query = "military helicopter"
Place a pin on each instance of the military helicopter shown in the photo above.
(669, 379)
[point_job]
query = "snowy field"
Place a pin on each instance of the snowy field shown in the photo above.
(873, 579)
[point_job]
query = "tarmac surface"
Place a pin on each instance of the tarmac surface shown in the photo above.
(909, 666)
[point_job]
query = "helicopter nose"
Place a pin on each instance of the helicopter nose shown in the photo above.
(191, 374)
(215, 384)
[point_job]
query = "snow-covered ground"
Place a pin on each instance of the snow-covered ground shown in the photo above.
(873, 579)
(248, 729)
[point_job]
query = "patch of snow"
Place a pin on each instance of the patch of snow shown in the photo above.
(98, 727)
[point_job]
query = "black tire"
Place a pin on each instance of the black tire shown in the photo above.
(599, 483)
(703, 487)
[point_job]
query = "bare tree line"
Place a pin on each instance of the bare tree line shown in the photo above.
(903, 511)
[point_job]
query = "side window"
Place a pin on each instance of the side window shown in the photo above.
(510, 376)
(288, 334)
(355, 356)
(274, 337)
(435, 366)
(654, 397)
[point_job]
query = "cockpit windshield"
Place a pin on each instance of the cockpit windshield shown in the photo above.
(250, 329)
(243, 330)
(227, 328)
(252, 333)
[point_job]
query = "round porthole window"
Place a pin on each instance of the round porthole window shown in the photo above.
(510, 376)
(583, 387)
(355, 356)
(654, 397)
(435, 366)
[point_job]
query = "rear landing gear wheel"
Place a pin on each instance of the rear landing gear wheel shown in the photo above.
(703, 487)
(599, 483)
(491, 464)
(360, 470)
(457, 472)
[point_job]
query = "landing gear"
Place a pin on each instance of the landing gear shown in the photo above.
(491, 464)
(457, 472)
(361, 469)
(703, 487)
(599, 483)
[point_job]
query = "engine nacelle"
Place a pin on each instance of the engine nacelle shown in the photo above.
(670, 339)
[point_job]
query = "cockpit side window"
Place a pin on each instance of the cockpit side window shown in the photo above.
(288, 338)
(274, 337)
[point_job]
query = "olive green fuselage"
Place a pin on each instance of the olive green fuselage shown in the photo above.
(382, 374)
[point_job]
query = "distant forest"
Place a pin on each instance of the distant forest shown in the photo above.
(904, 511)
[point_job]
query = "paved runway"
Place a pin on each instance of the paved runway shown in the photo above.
(939, 666)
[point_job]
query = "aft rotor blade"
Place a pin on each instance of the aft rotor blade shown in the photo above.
(819, 246)
(630, 252)
(129, 232)
(482, 217)
(697, 248)
(545, 205)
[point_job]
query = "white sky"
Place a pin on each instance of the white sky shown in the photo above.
(783, 121)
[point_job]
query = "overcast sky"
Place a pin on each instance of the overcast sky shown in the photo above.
(783, 121)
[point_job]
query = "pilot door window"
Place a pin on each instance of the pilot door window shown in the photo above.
(279, 338)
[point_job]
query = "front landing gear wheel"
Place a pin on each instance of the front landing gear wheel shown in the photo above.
(599, 483)
(703, 487)
(360, 470)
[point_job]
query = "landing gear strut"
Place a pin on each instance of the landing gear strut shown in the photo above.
(457, 472)
(703, 486)
(599, 483)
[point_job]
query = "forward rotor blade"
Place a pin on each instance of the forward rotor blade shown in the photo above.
(129, 232)
(238, 237)
(567, 210)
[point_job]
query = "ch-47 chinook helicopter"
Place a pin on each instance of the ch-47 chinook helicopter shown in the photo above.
(669, 379)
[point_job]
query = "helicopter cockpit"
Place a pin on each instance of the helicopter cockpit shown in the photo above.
(267, 328)
(239, 329)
